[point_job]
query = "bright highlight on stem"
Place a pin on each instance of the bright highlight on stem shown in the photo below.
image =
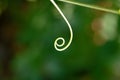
(92, 6)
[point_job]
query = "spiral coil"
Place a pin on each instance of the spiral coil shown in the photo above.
(56, 44)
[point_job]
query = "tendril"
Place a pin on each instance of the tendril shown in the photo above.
(59, 46)
(92, 6)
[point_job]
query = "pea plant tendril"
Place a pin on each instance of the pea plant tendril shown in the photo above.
(58, 45)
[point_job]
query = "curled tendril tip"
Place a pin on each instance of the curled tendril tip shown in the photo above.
(58, 46)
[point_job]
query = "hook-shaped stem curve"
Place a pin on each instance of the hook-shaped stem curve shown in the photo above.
(56, 44)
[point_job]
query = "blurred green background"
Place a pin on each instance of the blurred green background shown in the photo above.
(28, 29)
